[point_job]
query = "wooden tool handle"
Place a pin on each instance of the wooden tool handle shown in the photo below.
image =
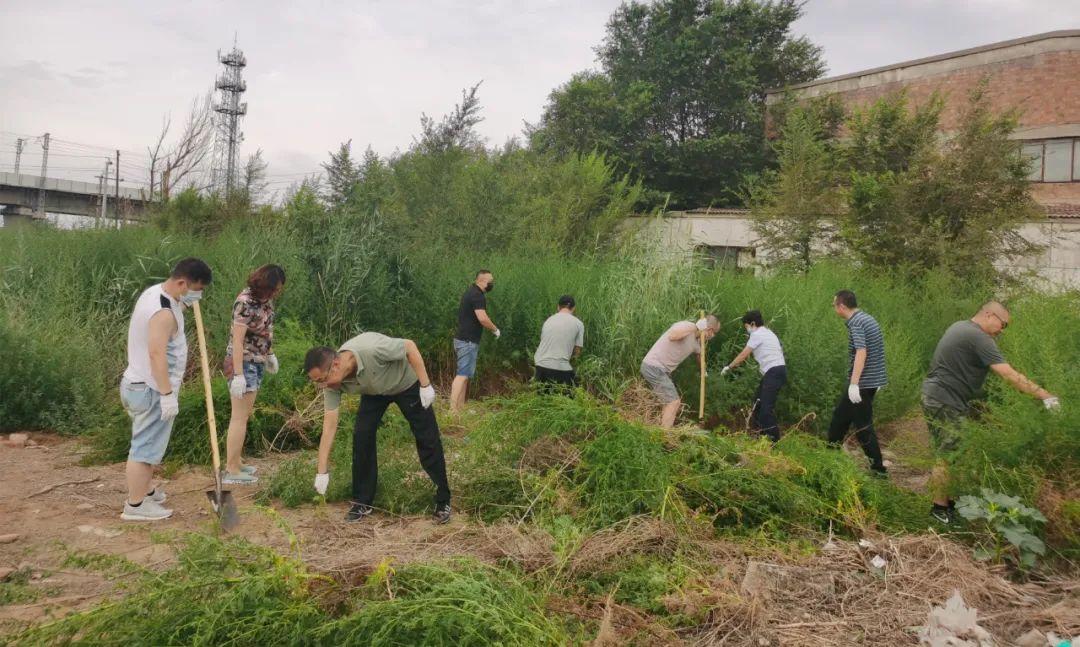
(701, 357)
(210, 419)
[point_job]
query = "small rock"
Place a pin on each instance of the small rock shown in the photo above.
(7, 539)
(85, 506)
(878, 562)
(31, 443)
(1033, 638)
(5, 572)
(17, 440)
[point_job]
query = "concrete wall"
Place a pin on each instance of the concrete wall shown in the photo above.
(1058, 266)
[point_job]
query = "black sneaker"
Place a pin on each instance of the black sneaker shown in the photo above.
(358, 512)
(880, 474)
(442, 514)
(943, 514)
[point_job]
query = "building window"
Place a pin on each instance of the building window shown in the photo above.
(725, 256)
(1053, 160)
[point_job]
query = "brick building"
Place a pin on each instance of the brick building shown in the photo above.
(1039, 75)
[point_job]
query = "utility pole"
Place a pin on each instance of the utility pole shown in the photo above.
(18, 153)
(104, 180)
(118, 177)
(40, 211)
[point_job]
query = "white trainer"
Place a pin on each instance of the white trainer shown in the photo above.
(148, 510)
(158, 496)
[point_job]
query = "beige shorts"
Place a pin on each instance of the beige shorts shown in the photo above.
(660, 381)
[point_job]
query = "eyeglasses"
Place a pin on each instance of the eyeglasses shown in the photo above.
(1004, 324)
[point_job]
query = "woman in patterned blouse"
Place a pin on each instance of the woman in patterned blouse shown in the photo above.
(253, 334)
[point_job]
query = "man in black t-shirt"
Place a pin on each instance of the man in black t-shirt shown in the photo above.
(472, 319)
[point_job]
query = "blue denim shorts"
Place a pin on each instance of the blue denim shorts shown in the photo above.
(467, 352)
(253, 375)
(149, 433)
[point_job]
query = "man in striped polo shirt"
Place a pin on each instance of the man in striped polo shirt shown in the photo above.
(866, 374)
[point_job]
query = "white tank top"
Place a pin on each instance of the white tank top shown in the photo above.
(151, 301)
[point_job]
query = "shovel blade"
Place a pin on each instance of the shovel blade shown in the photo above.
(225, 507)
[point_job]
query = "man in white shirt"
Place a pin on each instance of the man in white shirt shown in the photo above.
(157, 358)
(769, 355)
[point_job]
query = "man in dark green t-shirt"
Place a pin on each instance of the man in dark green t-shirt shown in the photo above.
(965, 355)
(381, 370)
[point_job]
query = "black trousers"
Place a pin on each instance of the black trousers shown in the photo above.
(553, 381)
(861, 416)
(764, 414)
(365, 463)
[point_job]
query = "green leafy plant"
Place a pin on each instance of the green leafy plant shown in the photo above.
(1007, 527)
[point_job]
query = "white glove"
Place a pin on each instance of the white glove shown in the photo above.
(321, 482)
(237, 386)
(853, 394)
(1052, 403)
(272, 364)
(702, 324)
(427, 395)
(724, 371)
(496, 333)
(170, 406)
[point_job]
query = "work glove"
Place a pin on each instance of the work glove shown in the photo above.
(321, 482)
(496, 333)
(272, 364)
(427, 395)
(702, 324)
(1052, 403)
(170, 406)
(853, 394)
(724, 371)
(237, 386)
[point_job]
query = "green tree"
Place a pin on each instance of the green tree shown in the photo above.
(341, 175)
(680, 95)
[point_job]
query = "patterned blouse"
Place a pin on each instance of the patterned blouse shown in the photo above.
(258, 317)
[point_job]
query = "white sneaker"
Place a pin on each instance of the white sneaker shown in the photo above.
(148, 510)
(158, 496)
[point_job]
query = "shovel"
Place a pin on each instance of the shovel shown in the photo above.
(222, 500)
(701, 356)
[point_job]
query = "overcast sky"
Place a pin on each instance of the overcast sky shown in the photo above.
(104, 73)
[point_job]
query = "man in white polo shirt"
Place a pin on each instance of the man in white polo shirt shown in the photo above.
(157, 358)
(769, 355)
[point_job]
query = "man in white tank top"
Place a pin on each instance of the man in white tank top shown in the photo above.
(157, 358)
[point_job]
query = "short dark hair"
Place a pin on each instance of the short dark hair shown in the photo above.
(479, 272)
(192, 269)
(847, 298)
(566, 301)
(318, 357)
(753, 317)
(265, 280)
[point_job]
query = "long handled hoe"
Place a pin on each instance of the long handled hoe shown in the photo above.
(701, 356)
(222, 500)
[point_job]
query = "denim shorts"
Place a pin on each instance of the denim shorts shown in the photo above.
(149, 433)
(467, 352)
(660, 381)
(253, 375)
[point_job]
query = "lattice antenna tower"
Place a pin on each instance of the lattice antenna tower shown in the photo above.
(227, 136)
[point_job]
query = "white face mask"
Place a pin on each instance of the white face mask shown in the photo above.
(191, 297)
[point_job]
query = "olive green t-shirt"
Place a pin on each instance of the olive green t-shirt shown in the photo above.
(961, 361)
(381, 368)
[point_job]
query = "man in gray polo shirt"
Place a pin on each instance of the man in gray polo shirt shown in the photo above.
(561, 339)
(965, 355)
(382, 370)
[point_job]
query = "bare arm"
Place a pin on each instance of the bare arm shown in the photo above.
(329, 429)
(577, 351)
(238, 332)
(1019, 381)
(162, 328)
(860, 364)
(412, 354)
(485, 321)
(741, 357)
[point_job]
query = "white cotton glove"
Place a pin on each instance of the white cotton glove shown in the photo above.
(170, 406)
(702, 324)
(237, 386)
(272, 364)
(1052, 403)
(497, 333)
(724, 371)
(427, 395)
(853, 394)
(321, 482)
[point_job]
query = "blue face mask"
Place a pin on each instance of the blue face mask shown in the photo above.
(191, 297)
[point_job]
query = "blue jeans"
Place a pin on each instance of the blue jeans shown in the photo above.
(253, 375)
(467, 352)
(149, 433)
